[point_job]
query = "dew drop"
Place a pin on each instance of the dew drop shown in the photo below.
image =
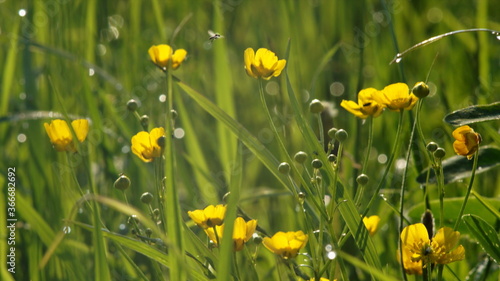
(67, 230)
(331, 255)
(398, 60)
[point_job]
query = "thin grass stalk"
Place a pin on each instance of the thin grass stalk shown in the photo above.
(469, 188)
(389, 163)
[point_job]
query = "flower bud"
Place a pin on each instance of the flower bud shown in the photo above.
(316, 106)
(149, 232)
(332, 157)
(144, 121)
(300, 157)
(341, 135)
(421, 90)
(147, 198)
(317, 164)
(332, 132)
(284, 168)
(432, 146)
(161, 141)
(122, 183)
(362, 179)
(439, 153)
(132, 105)
(257, 239)
(302, 197)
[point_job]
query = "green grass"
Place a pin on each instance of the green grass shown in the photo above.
(93, 55)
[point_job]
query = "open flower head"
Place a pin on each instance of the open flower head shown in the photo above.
(263, 63)
(242, 232)
(366, 106)
(164, 57)
(371, 224)
(145, 145)
(60, 134)
(466, 141)
(396, 97)
(420, 251)
(208, 217)
(286, 244)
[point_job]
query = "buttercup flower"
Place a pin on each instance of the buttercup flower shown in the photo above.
(286, 244)
(366, 105)
(466, 141)
(263, 64)
(371, 224)
(164, 57)
(209, 217)
(145, 145)
(419, 250)
(242, 232)
(396, 97)
(60, 133)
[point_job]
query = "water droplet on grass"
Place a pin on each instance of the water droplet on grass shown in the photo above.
(67, 230)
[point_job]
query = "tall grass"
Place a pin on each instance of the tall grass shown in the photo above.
(94, 56)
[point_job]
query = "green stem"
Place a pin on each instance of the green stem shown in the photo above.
(440, 272)
(440, 182)
(389, 163)
(474, 167)
(403, 182)
(359, 194)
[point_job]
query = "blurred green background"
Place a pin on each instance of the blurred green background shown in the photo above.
(93, 55)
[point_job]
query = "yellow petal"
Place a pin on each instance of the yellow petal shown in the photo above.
(141, 146)
(447, 237)
(414, 236)
(250, 229)
(60, 135)
(81, 128)
(160, 54)
(198, 216)
(249, 60)
(371, 223)
(178, 57)
(353, 108)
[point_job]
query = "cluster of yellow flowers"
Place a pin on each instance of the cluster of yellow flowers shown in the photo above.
(211, 220)
(371, 102)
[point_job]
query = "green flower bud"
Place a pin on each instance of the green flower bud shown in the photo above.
(421, 90)
(147, 198)
(332, 157)
(316, 106)
(302, 197)
(341, 135)
(132, 105)
(133, 219)
(432, 146)
(122, 183)
(161, 141)
(149, 232)
(439, 153)
(317, 164)
(362, 179)
(300, 157)
(284, 168)
(332, 132)
(257, 239)
(144, 121)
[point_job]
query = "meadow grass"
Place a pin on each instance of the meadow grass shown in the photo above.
(87, 59)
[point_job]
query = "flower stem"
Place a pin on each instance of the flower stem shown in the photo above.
(389, 163)
(474, 167)
(359, 193)
(403, 182)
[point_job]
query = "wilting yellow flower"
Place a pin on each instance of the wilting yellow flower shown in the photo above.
(208, 217)
(286, 244)
(164, 57)
(366, 106)
(396, 97)
(263, 64)
(145, 145)
(242, 232)
(371, 224)
(60, 134)
(467, 141)
(419, 250)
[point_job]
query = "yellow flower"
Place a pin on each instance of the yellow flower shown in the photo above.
(263, 64)
(467, 141)
(242, 232)
(209, 217)
(164, 57)
(60, 134)
(419, 250)
(286, 244)
(371, 224)
(396, 97)
(366, 105)
(145, 145)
